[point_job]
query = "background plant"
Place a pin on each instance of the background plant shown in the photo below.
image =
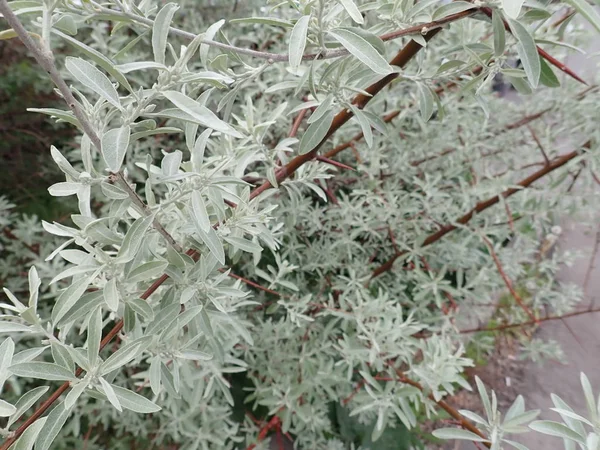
(238, 268)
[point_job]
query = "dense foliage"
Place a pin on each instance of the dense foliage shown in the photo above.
(291, 224)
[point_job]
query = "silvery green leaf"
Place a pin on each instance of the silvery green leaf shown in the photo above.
(556, 429)
(161, 130)
(74, 270)
(472, 416)
(315, 133)
(134, 402)
(113, 192)
(212, 241)
(142, 308)
(457, 433)
(298, 41)
(133, 239)
(111, 294)
(194, 355)
(567, 413)
(365, 125)
(243, 244)
(499, 33)
(362, 49)
(67, 24)
(94, 336)
(61, 356)
(547, 76)
(28, 355)
(140, 65)
(275, 21)
(64, 189)
(426, 101)
(29, 436)
(512, 8)
(587, 11)
(199, 113)
(147, 271)
(63, 163)
(155, 375)
(352, 10)
(42, 370)
(92, 78)
(76, 390)
(114, 147)
(517, 408)
(199, 210)
(98, 58)
(520, 419)
(515, 444)
(125, 354)
(210, 35)
(452, 8)
(13, 327)
(54, 423)
(589, 396)
(6, 409)
(171, 163)
(110, 394)
(323, 108)
(485, 400)
(7, 350)
(60, 115)
(160, 31)
(163, 320)
(68, 298)
(527, 52)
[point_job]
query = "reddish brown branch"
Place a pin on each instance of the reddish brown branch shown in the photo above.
(527, 323)
(482, 206)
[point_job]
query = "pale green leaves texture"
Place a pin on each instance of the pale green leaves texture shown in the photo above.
(114, 147)
(298, 41)
(92, 78)
(362, 50)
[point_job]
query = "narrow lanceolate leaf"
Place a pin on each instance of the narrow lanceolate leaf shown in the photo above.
(134, 402)
(315, 133)
(426, 101)
(298, 41)
(140, 65)
(352, 10)
(199, 113)
(362, 49)
(212, 241)
(110, 394)
(29, 436)
(452, 8)
(547, 76)
(6, 409)
(556, 429)
(7, 350)
(68, 298)
(42, 370)
(13, 327)
(147, 271)
(195, 355)
(209, 35)
(199, 210)
(160, 31)
(94, 336)
(111, 294)
(125, 354)
(512, 8)
(528, 52)
(457, 433)
(589, 12)
(133, 239)
(25, 402)
(92, 78)
(499, 33)
(114, 147)
(54, 423)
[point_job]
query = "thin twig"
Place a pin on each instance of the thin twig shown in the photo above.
(507, 280)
